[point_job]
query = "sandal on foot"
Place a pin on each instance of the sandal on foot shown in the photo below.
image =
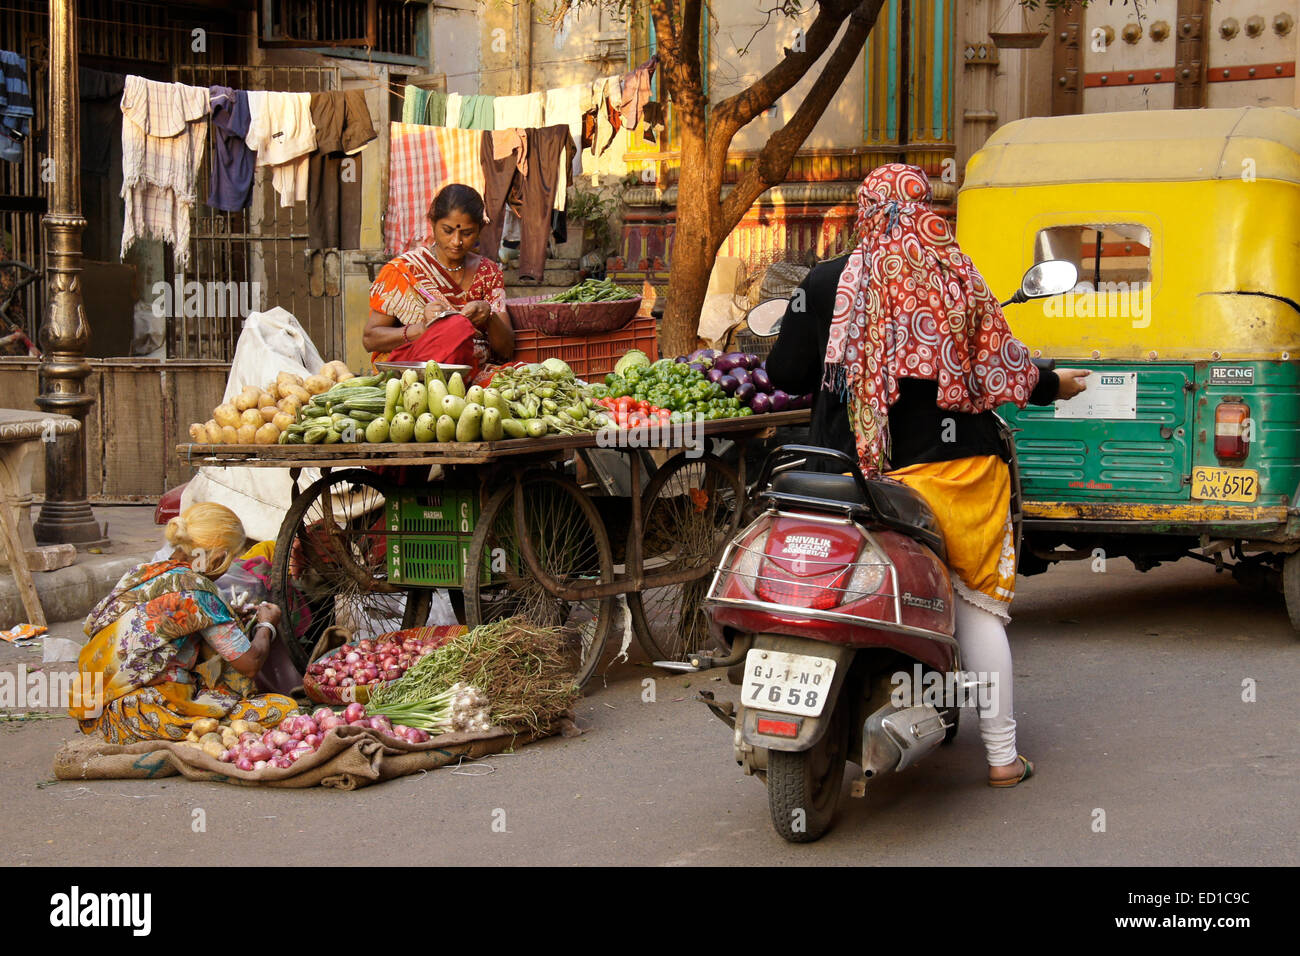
(1013, 781)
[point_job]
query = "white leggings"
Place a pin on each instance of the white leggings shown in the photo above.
(985, 650)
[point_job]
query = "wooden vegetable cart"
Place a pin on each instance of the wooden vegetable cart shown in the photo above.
(509, 531)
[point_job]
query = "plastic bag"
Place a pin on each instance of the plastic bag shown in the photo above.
(270, 343)
(242, 588)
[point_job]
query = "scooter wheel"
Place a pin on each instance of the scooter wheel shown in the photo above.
(804, 787)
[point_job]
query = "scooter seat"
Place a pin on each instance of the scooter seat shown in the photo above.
(893, 503)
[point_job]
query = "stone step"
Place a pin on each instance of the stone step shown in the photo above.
(553, 276)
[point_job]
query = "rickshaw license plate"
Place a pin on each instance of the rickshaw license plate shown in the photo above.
(787, 683)
(1225, 484)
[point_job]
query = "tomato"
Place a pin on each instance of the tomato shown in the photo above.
(625, 403)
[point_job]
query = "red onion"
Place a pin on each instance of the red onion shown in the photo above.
(243, 763)
(313, 740)
(360, 722)
(353, 712)
(260, 764)
(320, 713)
(279, 738)
(259, 752)
(283, 763)
(352, 657)
(329, 723)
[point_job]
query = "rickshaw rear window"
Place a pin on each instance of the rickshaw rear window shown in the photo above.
(1103, 252)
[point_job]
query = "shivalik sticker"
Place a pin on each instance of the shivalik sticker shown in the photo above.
(1232, 375)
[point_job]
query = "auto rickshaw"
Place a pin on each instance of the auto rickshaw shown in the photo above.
(1185, 228)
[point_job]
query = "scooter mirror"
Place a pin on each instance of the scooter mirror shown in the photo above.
(765, 318)
(1052, 277)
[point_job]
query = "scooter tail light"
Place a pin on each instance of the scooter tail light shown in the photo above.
(778, 728)
(1232, 431)
(751, 557)
(868, 575)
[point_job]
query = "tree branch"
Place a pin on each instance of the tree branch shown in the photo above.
(735, 111)
(778, 153)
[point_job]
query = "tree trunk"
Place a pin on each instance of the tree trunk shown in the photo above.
(695, 244)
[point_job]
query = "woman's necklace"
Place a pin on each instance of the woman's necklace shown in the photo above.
(437, 258)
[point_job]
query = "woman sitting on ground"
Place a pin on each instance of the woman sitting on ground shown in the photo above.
(169, 647)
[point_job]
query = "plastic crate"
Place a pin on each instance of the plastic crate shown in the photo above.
(429, 535)
(591, 357)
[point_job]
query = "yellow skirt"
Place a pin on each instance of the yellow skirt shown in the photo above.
(971, 498)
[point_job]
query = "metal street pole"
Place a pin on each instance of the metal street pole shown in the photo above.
(65, 517)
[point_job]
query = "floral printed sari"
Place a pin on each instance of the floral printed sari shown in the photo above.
(164, 640)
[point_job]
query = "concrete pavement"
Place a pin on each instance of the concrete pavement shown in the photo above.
(1129, 697)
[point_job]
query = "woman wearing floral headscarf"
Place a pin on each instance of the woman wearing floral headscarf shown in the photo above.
(911, 354)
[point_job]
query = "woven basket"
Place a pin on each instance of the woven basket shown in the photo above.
(571, 318)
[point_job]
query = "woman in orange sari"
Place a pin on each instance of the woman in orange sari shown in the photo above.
(441, 301)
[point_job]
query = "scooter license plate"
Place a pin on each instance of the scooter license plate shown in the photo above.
(787, 683)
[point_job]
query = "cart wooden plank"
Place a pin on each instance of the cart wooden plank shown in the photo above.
(450, 453)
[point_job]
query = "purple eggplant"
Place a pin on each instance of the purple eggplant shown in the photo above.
(746, 392)
(730, 361)
(803, 401)
(780, 401)
(751, 361)
(741, 375)
(697, 367)
(714, 374)
(680, 360)
(729, 384)
(761, 403)
(761, 380)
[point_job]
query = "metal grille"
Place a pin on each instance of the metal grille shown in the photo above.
(329, 22)
(263, 248)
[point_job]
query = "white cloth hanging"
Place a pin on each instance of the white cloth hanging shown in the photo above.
(281, 131)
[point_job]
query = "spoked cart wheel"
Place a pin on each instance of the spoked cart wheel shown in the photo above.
(571, 547)
(690, 510)
(332, 548)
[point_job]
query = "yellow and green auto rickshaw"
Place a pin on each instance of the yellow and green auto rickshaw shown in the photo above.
(1185, 228)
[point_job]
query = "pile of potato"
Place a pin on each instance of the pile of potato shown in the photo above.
(257, 416)
(214, 736)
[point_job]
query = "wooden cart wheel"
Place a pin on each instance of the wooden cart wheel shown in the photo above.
(571, 545)
(690, 510)
(332, 547)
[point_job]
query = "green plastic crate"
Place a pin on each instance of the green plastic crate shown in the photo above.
(429, 534)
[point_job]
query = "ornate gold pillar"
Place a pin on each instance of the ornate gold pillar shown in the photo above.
(66, 516)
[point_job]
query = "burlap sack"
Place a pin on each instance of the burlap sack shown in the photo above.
(348, 758)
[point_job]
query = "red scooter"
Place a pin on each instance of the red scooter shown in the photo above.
(837, 607)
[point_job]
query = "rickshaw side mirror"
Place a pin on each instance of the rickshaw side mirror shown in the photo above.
(765, 318)
(1052, 277)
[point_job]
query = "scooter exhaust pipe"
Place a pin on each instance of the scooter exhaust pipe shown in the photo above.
(895, 738)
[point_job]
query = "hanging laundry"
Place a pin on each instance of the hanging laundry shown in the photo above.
(230, 178)
(523, 111)
(421, 160)
(454, 103)
(532, 197)
(101, 120)
(567, 104)
(415, 102)
(343, 128)
(281, 131)
(508, 141)
(436, 111)
(478, 112)
(636, 89)
(613, 119)
(653, 115)
(162, 147)
(15, 105)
